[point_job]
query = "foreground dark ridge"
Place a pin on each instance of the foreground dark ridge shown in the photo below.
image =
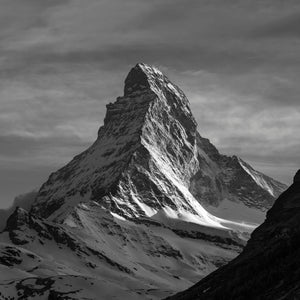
(269, 266)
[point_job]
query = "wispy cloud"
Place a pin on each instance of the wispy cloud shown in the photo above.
(284, 27)
(62, 61)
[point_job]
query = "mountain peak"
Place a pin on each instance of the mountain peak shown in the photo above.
(148, 157)
(136, 79)
(146, 77)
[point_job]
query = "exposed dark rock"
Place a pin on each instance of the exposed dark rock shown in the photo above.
(224, 242)
(297, 176)
(109, 261)
(10, 256)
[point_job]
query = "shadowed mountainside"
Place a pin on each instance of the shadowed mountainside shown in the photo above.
(269, 266)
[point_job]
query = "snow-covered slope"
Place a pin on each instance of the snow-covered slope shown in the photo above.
(272, 254)
(99, 256)
(144, 205)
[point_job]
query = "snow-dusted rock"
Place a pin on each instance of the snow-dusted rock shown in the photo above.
(95, 248)
(23, 201)
(144, 206)
(149, 157)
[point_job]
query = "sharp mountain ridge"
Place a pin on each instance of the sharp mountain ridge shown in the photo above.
(149, 158)
(151, 204)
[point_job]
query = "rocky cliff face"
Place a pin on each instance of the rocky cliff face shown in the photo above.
(272, 254)
(143, 158)
(149, 158)
(136, 207)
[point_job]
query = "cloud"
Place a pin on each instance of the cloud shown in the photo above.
(29, 146)
(286, 27)
(61, 62)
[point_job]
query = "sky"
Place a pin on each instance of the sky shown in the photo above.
(62, 61)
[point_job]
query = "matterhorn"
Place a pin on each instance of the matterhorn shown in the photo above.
(146, 211)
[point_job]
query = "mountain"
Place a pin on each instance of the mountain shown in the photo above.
(149, 159)
(151, 204)
(24, 201)
(272, 254)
